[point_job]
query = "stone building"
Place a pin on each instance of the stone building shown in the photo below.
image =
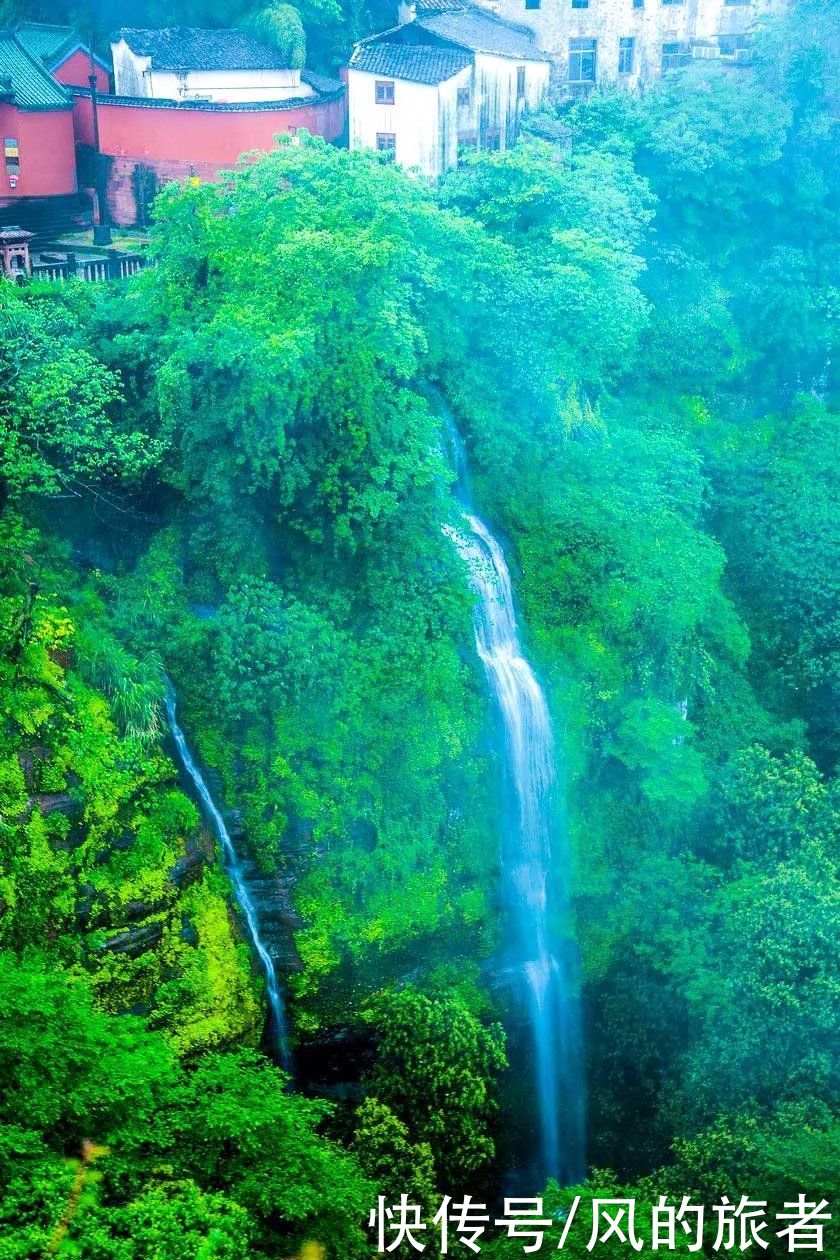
(631, 42)
(445, 81)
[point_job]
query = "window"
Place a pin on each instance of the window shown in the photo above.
(626, 49)
(638, 4)
(386, 142)
(384, 92)
(463, 96)
(736, 1)
(674, 56)
(12, 153)
(580, 4)
(520, 83)
(532, 4)
(492, 140)
(732, 45)
(673, 1)
(582, 54)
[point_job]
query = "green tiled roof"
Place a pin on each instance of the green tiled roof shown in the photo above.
(43, 41)
(24, 81)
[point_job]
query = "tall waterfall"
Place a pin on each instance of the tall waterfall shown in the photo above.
(540, 947)
(233, 867)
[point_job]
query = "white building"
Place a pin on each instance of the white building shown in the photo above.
(631, 42)
(188, 63)
(442, 82)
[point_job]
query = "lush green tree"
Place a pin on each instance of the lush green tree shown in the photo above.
(435, 1070)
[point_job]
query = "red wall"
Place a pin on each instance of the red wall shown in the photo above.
(75, 72)
(47, 155)
(179, 142)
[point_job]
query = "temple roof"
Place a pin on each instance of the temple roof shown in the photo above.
(25, 81)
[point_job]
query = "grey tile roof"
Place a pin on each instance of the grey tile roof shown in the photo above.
(482, 32)
(24, 80)
(439, 6)
(219, 107)
(193, 48)
(419, 63)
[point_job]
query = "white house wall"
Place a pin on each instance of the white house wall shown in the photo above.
(414, 118)
(137, 76)
(496, 109)
(429, 124)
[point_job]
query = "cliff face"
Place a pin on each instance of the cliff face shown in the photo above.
(103, 860)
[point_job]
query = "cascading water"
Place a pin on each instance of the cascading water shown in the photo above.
(541, 948)
(233, 867)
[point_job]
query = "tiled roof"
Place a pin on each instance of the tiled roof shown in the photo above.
(482, 32)
(44, 41)
(51, 43)
(24, 81)
(321, 82)
(439, 6)
(193, 48)
(419, 63)
(218, 107)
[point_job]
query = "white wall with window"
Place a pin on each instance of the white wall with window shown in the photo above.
(629, 35)
(406, 120)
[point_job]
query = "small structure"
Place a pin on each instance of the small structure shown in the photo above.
(447, 80)
(182, 63)
(64, 53)
(14, 252)
(36, 124)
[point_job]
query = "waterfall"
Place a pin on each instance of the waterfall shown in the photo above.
(540, 945)
(233, 868)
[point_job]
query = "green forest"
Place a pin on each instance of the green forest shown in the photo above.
(231, 472)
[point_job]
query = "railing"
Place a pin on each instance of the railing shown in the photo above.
(92, 270)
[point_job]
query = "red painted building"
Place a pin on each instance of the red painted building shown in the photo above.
(46, 122)
(36, 126)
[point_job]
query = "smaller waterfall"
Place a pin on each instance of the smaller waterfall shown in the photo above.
(233, 868)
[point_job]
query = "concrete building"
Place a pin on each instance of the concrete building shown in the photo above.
(184, 63)
(441, 83)
(631, 42)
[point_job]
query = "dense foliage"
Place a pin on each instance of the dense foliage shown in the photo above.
(233, 470)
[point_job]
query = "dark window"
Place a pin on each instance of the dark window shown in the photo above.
(673, 1)
(532, 4)
(463, 96)
(638, 4)
(736, 1)
(384, 92)
(492, 140)
(674, 56)
(580, 4)
(386, 142)
(582, 55)
(520, 82)
(12, 152)
(731, 45)
(626, 49)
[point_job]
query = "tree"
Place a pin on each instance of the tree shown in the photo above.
(435, 1070)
